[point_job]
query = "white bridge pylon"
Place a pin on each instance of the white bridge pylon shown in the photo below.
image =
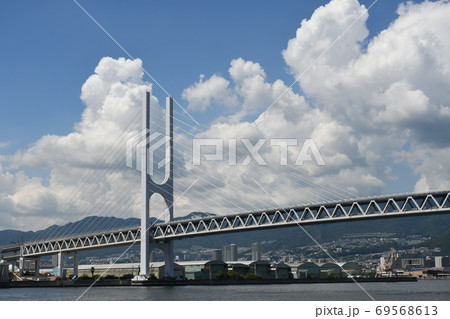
(149, 188)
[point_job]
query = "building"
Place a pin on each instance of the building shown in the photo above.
(153, 256)
(294, 266)
(351, 269)
(4, 272)
(233, 252)
(256, 251)
(156, 269)
(226, 253)
(390, 262)
(430, 262)
(229, 253)
(308, 270)
(217, 254)
(419, 272)
(441, 261)
(281, 271)
(239, 268)
(408, 263)
(260, 268)
(330, 270)
(203, 270)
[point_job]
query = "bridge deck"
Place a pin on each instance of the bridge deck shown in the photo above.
(392, 206)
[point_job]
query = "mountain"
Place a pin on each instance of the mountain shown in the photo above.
(442, 241)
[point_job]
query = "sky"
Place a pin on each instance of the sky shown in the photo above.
(372, 93)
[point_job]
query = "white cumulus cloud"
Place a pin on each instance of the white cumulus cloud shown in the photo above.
(204, 92)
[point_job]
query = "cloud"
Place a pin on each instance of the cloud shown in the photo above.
(368, 100)
(321, 31)
(113, 96)
(204, 92)
(367, 103)
(392, 92)
(87, 166)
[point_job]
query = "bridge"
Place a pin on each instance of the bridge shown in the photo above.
(161, 235)
(351, 210)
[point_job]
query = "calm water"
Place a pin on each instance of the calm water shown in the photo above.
(421, 290)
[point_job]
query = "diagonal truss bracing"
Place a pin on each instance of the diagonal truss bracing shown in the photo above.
(340, 211)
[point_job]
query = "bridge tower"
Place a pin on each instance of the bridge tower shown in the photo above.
(149, 188)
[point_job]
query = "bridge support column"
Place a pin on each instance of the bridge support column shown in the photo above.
(167, 249)
(59, 264)
(168, 260)
(21, 265)
(37, 266)
(75, 264)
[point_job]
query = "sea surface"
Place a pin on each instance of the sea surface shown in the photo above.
(392, 291)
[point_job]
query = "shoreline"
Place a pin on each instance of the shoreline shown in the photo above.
(156, 283)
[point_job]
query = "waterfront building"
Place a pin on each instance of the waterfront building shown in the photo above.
(294, 266)
(441, 261)
(308, 270)
(217, 254)
(233, 251)
(157, 269)
(226, 253)
(408, 263)
(119, 270)
(281, 271)
(203, 270)
(239, 268)
(352, 269)
(430, 261)
(4, 272)
(261, 268)
(229, 253)
(330, 270)
(256, 251)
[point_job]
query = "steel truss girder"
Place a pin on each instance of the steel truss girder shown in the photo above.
(83, 242)
(432, 203)
(339, 211)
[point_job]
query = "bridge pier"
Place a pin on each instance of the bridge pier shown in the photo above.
(59, 264)
(167, 248)
(75, 264)
(37, 266)
(21, 265)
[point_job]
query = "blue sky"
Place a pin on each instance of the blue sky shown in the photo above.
(49, 48)
(362, 102)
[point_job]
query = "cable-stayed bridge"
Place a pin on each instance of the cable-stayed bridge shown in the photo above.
(161, 235)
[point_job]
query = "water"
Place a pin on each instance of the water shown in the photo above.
(398, 291)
